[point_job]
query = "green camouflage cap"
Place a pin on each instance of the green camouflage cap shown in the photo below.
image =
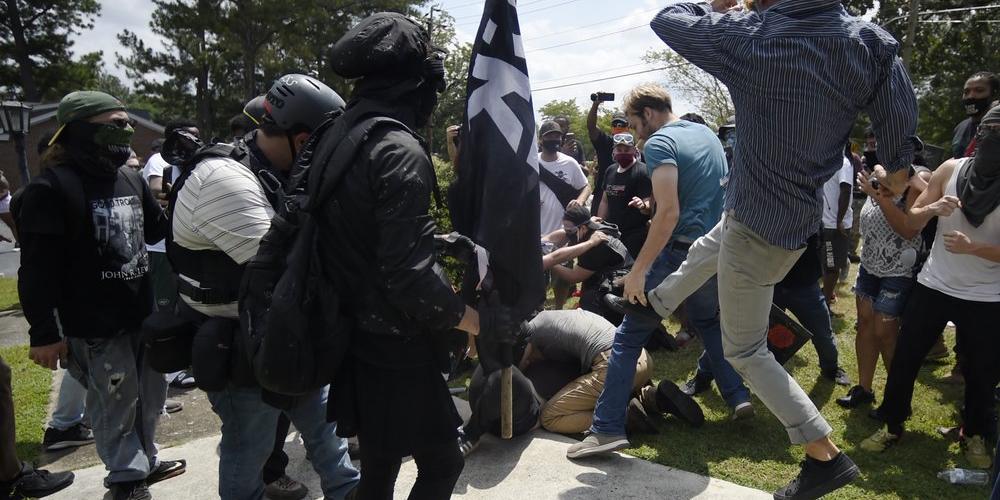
(83, 104)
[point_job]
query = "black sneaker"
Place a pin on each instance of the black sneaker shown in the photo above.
(35, 483)
(637, 421)
(837, 375)
(856, 397)
(697, 385)
(131, 490)
(166, 469)
(622, 306)
(78, 435)
(819, 478)
(670, 399)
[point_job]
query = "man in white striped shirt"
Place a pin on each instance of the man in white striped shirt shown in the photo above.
(221, 212)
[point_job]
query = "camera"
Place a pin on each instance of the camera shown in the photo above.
(602, 97)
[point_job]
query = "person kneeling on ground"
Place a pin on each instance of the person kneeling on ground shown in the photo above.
(585, 339)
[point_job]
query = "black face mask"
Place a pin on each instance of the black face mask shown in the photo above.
(99, 148)
(551, 146)
(976, 106)
(988, 150)
(425, 106)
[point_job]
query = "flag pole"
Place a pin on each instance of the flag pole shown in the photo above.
(506, 403)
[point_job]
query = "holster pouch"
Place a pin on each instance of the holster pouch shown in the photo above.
(212, 353)
(168, 340)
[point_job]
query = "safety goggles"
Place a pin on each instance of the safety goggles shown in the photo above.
(625, 139)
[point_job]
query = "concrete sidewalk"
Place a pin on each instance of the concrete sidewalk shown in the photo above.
(531, 467)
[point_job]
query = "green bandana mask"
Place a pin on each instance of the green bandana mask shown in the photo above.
(100, 147)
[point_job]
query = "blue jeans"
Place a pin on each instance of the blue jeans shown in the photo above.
(888, 295)
(248, 437)
(634, 332)
(70, 404)
(124, 400)
(809, 305)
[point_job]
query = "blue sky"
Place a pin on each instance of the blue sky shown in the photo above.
(544, 23)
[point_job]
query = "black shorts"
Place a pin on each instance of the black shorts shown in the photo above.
(834, 250)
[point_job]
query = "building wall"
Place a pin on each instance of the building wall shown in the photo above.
(8, 155)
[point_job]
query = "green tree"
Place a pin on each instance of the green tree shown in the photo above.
(221, 53)
(190, 61)
(708, 94)
(35, 44)
(947, 48)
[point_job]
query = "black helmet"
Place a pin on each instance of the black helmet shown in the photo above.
(300, 103)
(254, 110)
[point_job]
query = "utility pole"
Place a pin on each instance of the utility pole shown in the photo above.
(911, 32)
(430, 120)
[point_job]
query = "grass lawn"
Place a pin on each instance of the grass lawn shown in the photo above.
(31, 400)
(8, 294)
(756, 452)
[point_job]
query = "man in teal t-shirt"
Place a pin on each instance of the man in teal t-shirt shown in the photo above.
(697, 155)
(686, 166)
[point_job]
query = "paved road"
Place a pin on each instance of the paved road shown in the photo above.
(10, 259)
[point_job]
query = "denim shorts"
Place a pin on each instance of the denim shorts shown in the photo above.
(888, 295)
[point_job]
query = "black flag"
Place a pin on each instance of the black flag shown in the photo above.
(495, 199)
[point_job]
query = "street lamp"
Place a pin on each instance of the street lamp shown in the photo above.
(15, 120)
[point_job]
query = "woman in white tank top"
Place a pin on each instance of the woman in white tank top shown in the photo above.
(960, 282)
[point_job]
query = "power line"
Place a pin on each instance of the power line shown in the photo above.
(606, 21)
(525, 4)
(606, 78)
(941, 11)
(527, 11)
(567, 77)
(595, 37)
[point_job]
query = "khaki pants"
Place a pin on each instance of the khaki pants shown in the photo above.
(571, 410)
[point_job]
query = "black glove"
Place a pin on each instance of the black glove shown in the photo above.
(497, 324)
(455, 245)
(498, 332)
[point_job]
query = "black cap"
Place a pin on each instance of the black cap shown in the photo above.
(549, 126)
(383, 44)
(577, 214)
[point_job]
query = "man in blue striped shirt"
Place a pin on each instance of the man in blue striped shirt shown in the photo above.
(799, 72)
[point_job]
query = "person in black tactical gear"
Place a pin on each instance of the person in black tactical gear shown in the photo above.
(222, 209)
(84, 282)
(377, 238)
(277, 484)
(597, 264)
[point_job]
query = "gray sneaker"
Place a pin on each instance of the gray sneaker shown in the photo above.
(596, 444)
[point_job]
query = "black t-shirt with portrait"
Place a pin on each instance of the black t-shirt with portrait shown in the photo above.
(85, 254)
(619, 189)
(603, 259)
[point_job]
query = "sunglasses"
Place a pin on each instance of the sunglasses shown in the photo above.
(122, 122)
(626, 139)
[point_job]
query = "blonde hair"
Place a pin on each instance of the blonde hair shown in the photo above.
(647, 95)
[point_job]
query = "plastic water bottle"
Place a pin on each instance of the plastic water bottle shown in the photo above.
(965, 476)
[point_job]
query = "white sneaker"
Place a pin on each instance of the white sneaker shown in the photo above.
(743, 411)
(596, 444)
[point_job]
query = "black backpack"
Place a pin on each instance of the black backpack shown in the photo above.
(294, 331)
